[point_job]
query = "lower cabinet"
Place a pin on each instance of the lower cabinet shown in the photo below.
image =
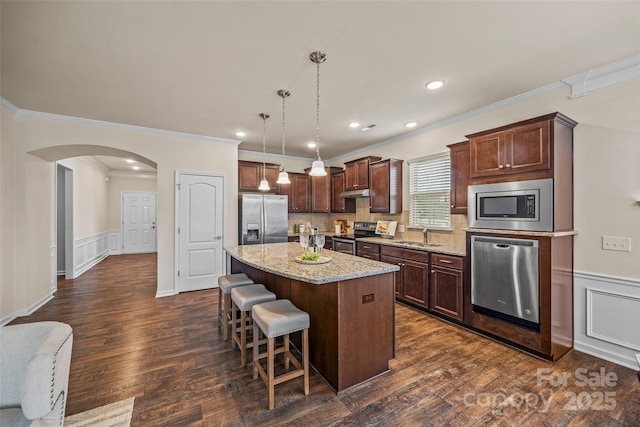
(412, 281)
(445, 289)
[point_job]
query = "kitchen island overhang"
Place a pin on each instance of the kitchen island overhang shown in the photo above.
(350, 301)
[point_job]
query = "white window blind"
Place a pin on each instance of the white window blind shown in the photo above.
(429, 191)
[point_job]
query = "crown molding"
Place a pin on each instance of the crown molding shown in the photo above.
(597, 79)
(93, 122)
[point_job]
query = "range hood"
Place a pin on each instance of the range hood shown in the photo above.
(354, 194)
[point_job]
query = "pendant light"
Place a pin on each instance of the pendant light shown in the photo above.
(317, 167)
(264, 184)
(283, 177)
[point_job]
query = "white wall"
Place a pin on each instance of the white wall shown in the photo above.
(33, 192)
(7, 211)
(89, 196)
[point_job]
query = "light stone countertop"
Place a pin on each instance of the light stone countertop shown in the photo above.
(417, 246)
(523, 233)
(279, 258)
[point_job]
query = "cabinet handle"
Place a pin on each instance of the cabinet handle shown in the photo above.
(500, 167)
(433, 271)
(453, 206)
(445, 261)
(508, 165)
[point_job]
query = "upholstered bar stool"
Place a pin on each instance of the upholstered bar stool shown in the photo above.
(225, 284)
(243, 298)
(274, 319)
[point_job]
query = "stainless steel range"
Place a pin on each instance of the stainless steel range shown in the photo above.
(346, 243)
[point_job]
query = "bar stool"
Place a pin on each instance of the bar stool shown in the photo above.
(243, 298)
(274, 319)
(225, 284)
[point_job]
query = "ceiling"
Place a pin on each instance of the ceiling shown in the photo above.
(210, 67)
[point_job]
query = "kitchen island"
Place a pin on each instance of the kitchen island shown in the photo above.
(350, 301)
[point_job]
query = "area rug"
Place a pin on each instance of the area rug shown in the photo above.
(116, 414)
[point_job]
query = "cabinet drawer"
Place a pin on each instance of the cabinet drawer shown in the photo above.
(449, 261)
(369, 255)
(397, 252)
(367, 247)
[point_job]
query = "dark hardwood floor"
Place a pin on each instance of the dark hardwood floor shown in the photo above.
(168, 354)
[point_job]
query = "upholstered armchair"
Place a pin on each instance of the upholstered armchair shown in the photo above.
(34, 373)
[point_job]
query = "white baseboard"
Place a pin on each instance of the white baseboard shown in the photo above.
(161, 294)
(606, 317)
(28, 311)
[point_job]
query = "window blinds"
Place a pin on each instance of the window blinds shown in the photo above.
(429, 191)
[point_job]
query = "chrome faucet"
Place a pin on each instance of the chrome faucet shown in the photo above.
(425, 233)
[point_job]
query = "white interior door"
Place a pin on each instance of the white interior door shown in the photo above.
(200, 228)
(138, 222)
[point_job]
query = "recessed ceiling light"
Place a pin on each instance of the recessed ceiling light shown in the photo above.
(435, 84)
(366, 128)
(135, 168)
(311, 145)
(354, 124)
(130, 161)
(411, 124)
(241, 133)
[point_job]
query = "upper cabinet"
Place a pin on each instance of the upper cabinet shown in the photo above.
(385, 186)
(321, 193)
(340, 204)
(459, 176)
(521, 148)
(357, 173)
(298, 192)
(250, 175)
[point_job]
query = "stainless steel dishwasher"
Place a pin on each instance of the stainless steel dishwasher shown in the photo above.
(505, 279)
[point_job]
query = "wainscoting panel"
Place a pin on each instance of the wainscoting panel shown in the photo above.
(89, 251)
(606, 318)
(115, 242)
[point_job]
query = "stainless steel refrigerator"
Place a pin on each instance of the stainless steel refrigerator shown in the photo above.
(263, 218)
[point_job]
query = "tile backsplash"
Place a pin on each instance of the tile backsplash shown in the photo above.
(455, 237)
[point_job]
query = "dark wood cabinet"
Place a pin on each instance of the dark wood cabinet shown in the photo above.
(525, 148)
(357, 173)
(412, 281)
(368, 250)
(459, 176)
(340, 204)
(385, 186)
(321, 191)
(250, 175)
(298, 192)
(554, 337)
(446, 285)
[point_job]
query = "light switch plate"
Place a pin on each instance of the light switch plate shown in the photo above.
(613, 243)
(400, 228)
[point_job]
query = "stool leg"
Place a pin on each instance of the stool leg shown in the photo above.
(305, 359)
(225, 313)
(219, 308)
(286, 351)
(255, 350)
(271, 371)
(243, 337)
(234, 334)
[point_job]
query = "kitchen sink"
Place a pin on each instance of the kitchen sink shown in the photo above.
(419, 244)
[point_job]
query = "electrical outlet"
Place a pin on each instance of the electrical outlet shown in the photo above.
(400, 228)
(612, 243)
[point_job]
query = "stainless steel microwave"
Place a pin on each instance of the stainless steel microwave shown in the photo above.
(517, 205)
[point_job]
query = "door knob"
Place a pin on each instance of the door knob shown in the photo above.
(218, 237)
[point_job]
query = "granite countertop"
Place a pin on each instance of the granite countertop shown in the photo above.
(524, 233)
(278, 258)
(417, 246)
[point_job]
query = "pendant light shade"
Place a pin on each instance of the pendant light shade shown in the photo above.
(264, 184)
(317, 167)
(283, 177)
